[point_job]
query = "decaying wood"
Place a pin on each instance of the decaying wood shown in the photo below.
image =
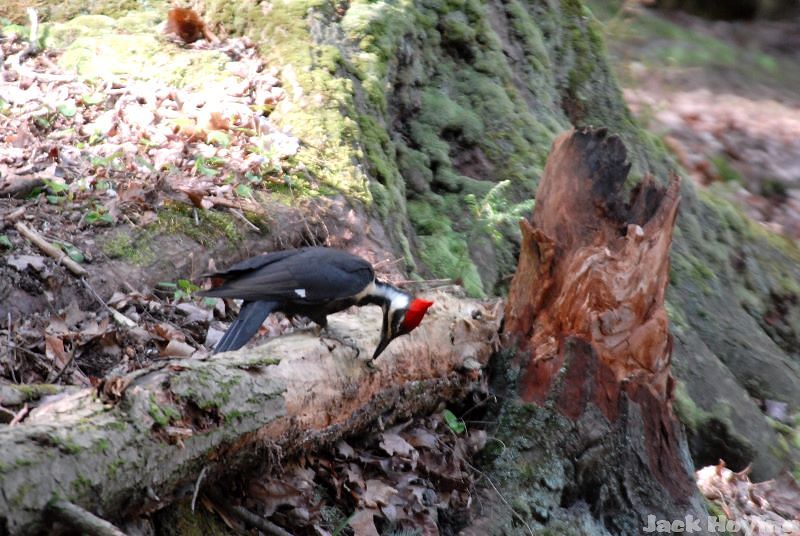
(79, 519)
(54, 252)
(138, 442)
(586, 306)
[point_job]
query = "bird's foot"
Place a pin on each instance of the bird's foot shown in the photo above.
(328, 334)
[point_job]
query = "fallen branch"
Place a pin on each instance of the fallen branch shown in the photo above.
(246, 516)
(119, 317)
(77, 518)
(50, 249)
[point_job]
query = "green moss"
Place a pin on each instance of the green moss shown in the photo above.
(163, 415)
(102, 446)
(19, 497)
(121, 245)
(114, 467)
(65, 443)
(213, 225)
(725, 170)
(35, 391)
(447, 255)
(686, 410)
(687, 267)
(117, 425)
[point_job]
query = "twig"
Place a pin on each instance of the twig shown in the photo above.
(20, 415)
(33, 47)
(50, 249)
(248, 517)
(80, 519)
(200, 478)
(13, 216)
(10, 353)
(65, 367)
(238, 214)
(37, 355)
(119, 317)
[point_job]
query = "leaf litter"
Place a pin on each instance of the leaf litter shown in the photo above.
(414, 478)
(77, 155)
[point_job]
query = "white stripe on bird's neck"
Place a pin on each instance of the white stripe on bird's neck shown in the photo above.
(395, 298)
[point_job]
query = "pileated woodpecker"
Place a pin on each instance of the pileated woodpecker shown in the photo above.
(312, 282)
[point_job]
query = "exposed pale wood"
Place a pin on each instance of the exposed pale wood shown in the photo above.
(586, 315)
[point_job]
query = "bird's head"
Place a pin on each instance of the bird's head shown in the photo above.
(400, 317)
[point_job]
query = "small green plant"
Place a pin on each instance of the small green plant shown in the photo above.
(5, 243)
(98, 216)
(72, 252)
(67, 109)
(217, 137)
(453, 422)
(90, 99)
(181, 291)
(243, 190)
(113, 161)
(494, 210)
(207, 166)
(59, 191)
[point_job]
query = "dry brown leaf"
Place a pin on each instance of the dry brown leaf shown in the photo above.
(169, 332)
(363, 523)
(54, 349)
(111, 389)
(377, 494)
(344, 450)
(22, 262)
(176, 348)
(393, 444)
(420, 437)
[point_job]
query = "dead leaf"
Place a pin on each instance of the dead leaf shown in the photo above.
(363, 523)
(176, 348)
(22, 262)
(54, 349)
(377, 494)
(169, 332)
(393, 444)
(420, 437)
(344, 450)
(111, 389)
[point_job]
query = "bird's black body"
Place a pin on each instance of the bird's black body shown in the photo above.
(312, 282)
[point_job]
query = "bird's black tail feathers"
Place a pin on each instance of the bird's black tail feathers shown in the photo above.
(251, 316)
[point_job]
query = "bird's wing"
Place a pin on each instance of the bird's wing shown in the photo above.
(332, 274)
(307, 276)
(255, 263)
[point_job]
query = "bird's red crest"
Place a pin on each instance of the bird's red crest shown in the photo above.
(416, 311)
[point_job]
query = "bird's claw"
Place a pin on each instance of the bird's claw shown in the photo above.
(344, 341)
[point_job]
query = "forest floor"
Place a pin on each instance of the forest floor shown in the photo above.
(723, 98)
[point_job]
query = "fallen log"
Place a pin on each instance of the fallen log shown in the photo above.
(137, 443)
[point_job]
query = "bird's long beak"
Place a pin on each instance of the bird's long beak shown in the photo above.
(381, 346)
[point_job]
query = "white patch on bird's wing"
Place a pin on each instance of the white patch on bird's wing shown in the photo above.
(300, 292)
